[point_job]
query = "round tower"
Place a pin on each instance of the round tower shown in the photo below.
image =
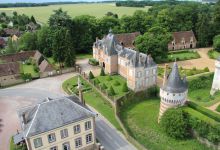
(216, 79)
(174, 91)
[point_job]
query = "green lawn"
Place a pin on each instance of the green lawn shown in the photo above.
(115, 78)
(182, 55)
(183, 71)
(141, 121)
(15, 147)
(213, 54)
(29, 69)
(83, 56)
(100, 9)
(52, 61)
(94, 99)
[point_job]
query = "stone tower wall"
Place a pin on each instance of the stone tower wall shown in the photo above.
(216, 79)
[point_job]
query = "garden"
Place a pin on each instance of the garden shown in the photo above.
(141, 120)
(199, 91)
(213, 54)
(92, 98)
(183, 71)
(30, 68)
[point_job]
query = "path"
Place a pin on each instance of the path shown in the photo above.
(199, 63)
(213, 107)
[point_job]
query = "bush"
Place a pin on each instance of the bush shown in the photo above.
(216, 42)
(125, 87)
(116, 83)
(109, 78)
(103, 86)
(96, 81)
(36, 68)
(91, 76)
(194, 69)
(206, 69)
(175, 123)
(28, 61)
(93, 62)
(111, 91)
(26, 76)
(102, 73)
(218, 108)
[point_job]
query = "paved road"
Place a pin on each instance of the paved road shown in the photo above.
(19, 96)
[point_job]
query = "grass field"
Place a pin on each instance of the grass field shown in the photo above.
(29, 69)
(141, 121)
(42, 13)
(213, 54)
(183, 55)
(94, 99)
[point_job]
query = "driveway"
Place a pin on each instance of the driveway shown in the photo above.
(13, 98)
(199, 63)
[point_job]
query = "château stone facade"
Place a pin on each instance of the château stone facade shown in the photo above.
(139, 69)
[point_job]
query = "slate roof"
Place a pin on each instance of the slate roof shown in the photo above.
(11, 32)
(51, 114)
(109, 43)
(174, 82)
(127, 38)
(186, 35)
(11, 68)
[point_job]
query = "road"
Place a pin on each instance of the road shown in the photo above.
(13, 98)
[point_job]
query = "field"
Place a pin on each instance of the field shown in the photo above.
(29, 69)
(42, 13)
(183, 55)
(141, 121)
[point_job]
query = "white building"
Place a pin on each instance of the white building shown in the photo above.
(216, 79)
(174, 90)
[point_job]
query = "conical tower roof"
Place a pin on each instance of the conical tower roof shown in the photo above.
(174, 82)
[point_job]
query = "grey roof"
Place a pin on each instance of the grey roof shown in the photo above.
(174, 82)
(18, 138)
(51, 114)
(109, 44)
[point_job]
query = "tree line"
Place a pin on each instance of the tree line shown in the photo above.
(155, 26)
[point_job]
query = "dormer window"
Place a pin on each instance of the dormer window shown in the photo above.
(173, 43)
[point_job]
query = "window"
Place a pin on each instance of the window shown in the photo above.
(88, 125)
(76, 129)
(38, 142)
(130, 72)
(64, 133)
(54, 148)
(66, 146)
(51, 137)
(147, 72)
(88, 138)
(154, 71)
(78, 142)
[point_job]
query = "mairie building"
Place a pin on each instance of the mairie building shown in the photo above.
(139, 69)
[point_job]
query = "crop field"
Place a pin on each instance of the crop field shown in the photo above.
(42, 13)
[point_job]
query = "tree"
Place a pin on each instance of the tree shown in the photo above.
(108, 22)
(102, 73)
(125, 87)
(216, 42)
(91, 76)
(175, 123)
(104, 86)
(154, 42)
(11, 48)
(33, 20)
(111, 91)
(69, 51)
(28, 41)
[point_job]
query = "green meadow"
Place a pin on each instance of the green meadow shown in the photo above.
(97, 9)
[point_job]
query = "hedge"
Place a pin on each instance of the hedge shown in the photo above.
(204, 111)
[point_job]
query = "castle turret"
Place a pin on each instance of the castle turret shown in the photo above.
(174, 91)
(216, 79)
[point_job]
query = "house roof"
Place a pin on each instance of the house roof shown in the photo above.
(45, 66)
(21, 56)
(51, 114)
(186, 35)
(174, 82)
(37, 57)
(11, 32)
(109, 43)
(127, 38)
(11, 68)
(2, 42)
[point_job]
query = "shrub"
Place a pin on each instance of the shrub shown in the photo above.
(102, 73)
(28, 61)
(109, 78)
(206, 69)
(91, 76)
(116, 83)
(175, 123)
(36, 68)
(26, 76)
(111, 91)
(96, 81)
(103, 86)
(216, 42)
(124, 87)
(218, 108)
(93, 62)
(194, 69)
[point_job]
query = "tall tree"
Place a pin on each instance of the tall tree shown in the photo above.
(28, 41)
(69, 51)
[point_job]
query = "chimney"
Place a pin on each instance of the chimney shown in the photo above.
(165, 74)
(24, 118)
(80, 92)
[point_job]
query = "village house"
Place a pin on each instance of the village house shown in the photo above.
(9, 74)
(57, 124)
(139, 69)
(182, 40)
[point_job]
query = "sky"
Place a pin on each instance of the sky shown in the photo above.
(40, 1)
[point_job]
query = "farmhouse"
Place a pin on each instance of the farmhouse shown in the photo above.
(139, 69)
(54, 124)
(182, 40)
(9, 74)
(174, 90)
